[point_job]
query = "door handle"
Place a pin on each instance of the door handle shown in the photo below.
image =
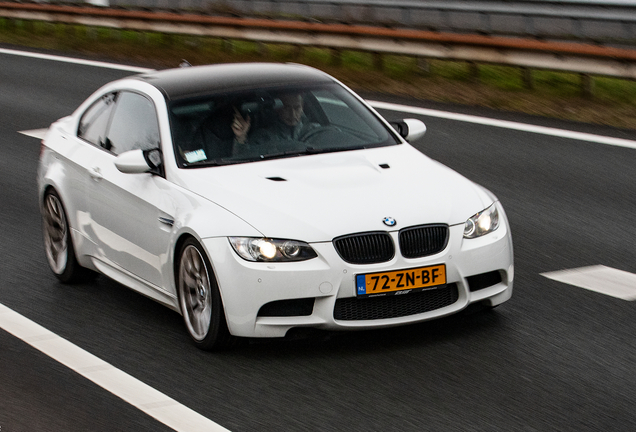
(96, 173)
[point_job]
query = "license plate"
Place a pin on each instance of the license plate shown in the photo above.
(400, 281)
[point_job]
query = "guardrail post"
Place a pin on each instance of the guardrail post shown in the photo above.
(115, 34)
(9, 24)
(473, 71)
(528, 79)
(91, 33)
(261, 49)
(28, 26)
(65, 30)
(227, 46)
(169, 39)
(378, 61)
(423, 65)
(298, 52)
(587, 85)
(336, 57)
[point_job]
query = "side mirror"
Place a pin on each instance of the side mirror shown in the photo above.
(409, 129)
(139, 161)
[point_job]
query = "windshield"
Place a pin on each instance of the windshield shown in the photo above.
(274, 123)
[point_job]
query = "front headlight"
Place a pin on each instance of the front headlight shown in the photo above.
(271, 250)
(482, 223)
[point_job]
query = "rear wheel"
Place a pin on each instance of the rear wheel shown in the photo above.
(200, 300)
(58, 243)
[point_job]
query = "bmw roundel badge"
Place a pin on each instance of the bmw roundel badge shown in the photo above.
(389, 221)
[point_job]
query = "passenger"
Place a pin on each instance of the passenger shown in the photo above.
(221, 136)
(214, 137)
(240, 127)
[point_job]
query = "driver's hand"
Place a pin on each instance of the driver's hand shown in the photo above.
(240, 126)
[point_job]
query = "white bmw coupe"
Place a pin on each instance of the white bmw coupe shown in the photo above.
(257, 198)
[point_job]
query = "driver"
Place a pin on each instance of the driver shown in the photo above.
(284, 132)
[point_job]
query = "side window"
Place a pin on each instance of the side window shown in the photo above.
(134, 124)
(94, 121)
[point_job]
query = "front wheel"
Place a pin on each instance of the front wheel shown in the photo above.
(200, 300)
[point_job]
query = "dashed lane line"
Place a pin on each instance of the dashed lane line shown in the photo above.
(152, 402)
(599, 278)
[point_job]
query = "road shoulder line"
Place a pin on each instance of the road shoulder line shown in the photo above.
(152, 402)
(523, 127)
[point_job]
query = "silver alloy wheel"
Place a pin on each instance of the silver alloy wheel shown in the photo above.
(55, 234)
(195, 292)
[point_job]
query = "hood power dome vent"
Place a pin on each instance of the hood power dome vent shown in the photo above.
(384, 166)
(276, 179)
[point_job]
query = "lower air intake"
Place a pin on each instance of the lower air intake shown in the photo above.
(285, 308)
(394, 306)
(484, 280)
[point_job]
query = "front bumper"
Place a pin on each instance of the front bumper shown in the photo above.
(481, 269)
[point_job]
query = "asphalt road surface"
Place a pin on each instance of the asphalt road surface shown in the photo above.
(556, 357)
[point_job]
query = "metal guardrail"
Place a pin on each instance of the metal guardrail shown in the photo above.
(525, 53)
(597, 21)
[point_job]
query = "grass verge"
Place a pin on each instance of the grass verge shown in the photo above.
(553, 94)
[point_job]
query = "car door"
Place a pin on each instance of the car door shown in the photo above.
(85, 148)
(130, 214)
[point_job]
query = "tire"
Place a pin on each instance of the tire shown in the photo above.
(200, 299)
(58, 242)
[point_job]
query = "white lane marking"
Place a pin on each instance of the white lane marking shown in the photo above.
(600, 139)
(152, 402)
(35, 133)
(605, 280)
(75, 61)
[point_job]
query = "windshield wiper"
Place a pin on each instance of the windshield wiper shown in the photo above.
(215, 162)
(278, 155)
(314, 150)
(308, 151)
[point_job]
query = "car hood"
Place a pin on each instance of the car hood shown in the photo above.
(318, 197)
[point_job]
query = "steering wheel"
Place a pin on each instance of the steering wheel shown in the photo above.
(311, 134)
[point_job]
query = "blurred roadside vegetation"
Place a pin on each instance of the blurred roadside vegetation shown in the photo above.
(612, 101)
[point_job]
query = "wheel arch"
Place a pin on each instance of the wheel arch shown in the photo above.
(176, 252)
